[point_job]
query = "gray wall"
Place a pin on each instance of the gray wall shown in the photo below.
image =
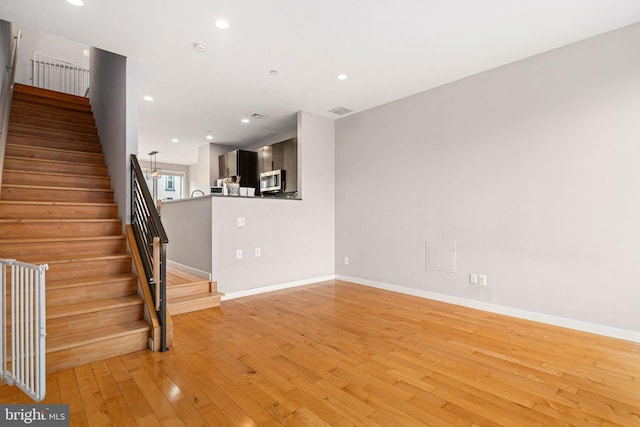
(296, 236)
(6, 39)
(113, 101)
(531, 168)
(188, 226)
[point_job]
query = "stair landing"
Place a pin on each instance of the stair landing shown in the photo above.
(187, 292)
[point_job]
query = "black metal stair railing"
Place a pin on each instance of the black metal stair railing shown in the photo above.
(151, 240)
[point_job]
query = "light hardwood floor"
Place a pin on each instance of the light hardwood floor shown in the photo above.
(339, 354)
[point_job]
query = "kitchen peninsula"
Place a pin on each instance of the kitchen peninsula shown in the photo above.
(261, 242)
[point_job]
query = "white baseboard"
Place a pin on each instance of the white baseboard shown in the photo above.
(280, 286)
(579, 325)
(190, 270)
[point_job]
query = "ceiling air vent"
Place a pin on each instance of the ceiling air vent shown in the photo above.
(257, 116)
(341, 111)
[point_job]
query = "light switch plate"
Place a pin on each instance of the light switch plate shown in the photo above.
(239, 254)
(240, 221)
(482, 279)
(473, 279)
(258, 252)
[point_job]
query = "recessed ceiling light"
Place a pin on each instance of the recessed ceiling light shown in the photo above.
(175, 140)
(245, 120)
(342, 77)
(209, 137)
(148, 98)
(76, 2)
(223, 24)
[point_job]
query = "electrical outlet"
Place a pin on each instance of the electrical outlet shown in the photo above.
(239, 254)
(482, 279)
(257, 252)
(240, 221)
(473, 279)
(346, 260)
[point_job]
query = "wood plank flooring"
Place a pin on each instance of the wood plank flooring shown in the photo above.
(339, 354)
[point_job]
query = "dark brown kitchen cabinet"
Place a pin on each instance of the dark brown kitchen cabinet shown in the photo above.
(281, 156)
(290, 163)
(240, 163)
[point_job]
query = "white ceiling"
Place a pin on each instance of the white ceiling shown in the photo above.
(388, 49)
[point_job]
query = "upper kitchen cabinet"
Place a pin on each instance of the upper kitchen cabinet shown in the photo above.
(240, 163)
(281, 156)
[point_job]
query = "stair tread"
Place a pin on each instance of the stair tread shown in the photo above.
(48, 187)
(90, 128)
(33, 159)
(54, 150)
(186, 285)
(20, 88)
(195, 297)
(67, 310)
(60, 239)
(53, 221)
(86, 281)
(61, 174)
(96, 335)
(54, 203)
(70, 258)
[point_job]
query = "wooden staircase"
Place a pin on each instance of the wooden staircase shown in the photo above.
(57, 207)
(187, 292)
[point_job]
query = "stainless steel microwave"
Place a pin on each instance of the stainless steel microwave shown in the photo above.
(272, 182)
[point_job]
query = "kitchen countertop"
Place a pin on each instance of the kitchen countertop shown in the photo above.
(220, 196)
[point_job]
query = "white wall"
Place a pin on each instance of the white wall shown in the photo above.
(296, 236)
(113, 88)
(50, 45)
(204, 174)
(531, 168)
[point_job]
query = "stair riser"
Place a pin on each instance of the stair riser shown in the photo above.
(32, 230)
(91, 292)
(88, 321)
(53, 180)
(60, 116)
(187, 307)
(30, 141)
(63, 156)
(69, 358)
(193, 289)
(55, 195)
(16, 129)
(10, 211)
(18, 119)
(48, 249)
(56, 167)
(74, 270)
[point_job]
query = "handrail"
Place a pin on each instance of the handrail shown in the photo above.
(13, 59)
(151, 240)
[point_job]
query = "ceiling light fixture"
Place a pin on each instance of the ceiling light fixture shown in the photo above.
(148, 98)
(200, 46)
(209, 137)
(223, 24)
(76, 2)
(175, 140)
(245, 120)
(342, 77)
(273, 72)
